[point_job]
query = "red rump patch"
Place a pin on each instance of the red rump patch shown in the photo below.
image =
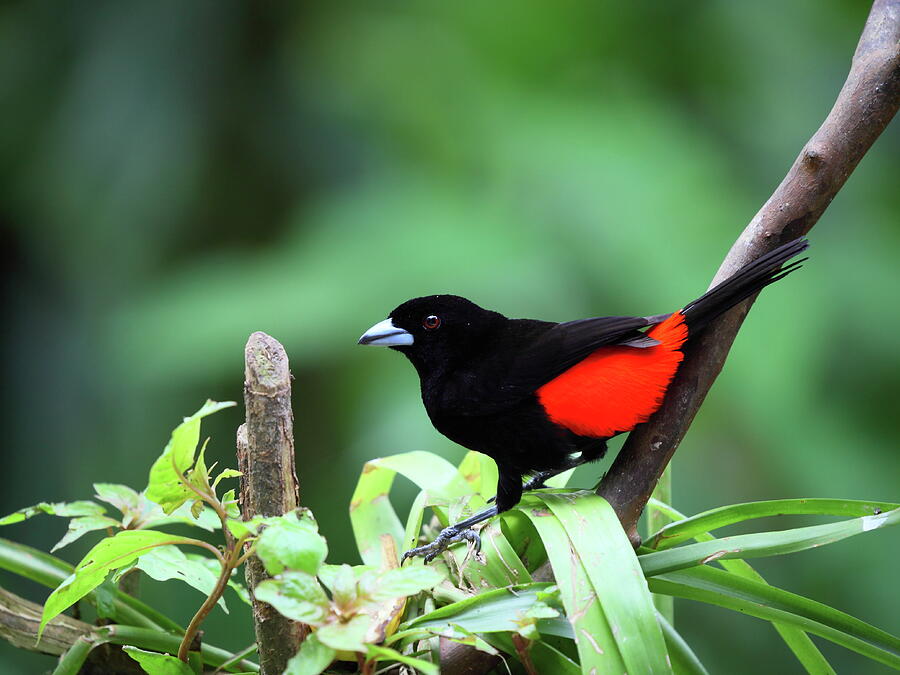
(616, 388)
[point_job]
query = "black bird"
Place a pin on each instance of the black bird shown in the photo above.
(541, 397)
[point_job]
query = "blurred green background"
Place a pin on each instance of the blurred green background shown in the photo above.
(175, 176)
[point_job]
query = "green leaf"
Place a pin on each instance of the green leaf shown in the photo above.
(371, 513)
(199, 475)
(155, 663)
(378, 653)
(717, 587)
(129, 503)
(684, 661)
(296, 595)
(685, 529)
(609, 560)
(164, 486)
(348, 636)
(105, 597)
(796, 640)
(229, 501)
(597, 647)
(342, 584)
(170, 562)
(215, 568)
(401, 581)
(226, 473)
(64, 509)
(312, 659)
(109, 554)
(493, 611)
(80, 526)
(289, 542)
(763, 543)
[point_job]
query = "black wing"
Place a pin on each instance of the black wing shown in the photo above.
(538, 351)
(565, 344)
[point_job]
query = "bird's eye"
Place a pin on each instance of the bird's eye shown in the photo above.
(431, 322)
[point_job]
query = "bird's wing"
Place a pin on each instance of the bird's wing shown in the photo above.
(547, 353)
(565, 344)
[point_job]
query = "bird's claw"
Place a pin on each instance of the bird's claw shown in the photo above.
(448, 535)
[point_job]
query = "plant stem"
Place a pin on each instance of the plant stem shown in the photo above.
(204, 610)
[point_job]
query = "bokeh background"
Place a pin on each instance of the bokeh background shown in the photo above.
(174, 176)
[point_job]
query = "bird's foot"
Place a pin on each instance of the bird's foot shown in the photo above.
(448, 535)
(536, 482)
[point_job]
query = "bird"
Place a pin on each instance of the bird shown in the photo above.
(540, 397)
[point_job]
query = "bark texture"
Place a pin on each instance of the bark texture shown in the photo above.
(269, 487)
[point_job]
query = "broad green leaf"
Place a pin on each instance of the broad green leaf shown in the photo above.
(164, 486)
(127, 501)
(597, 648)
(170, 562)
(109, 554)
(296, 595)
(349, 636)
(155, 663)
(289, 542)
(717, 587)
(378, 653)
(312, 659)
(80, 526)
(685, 529)
(763, 543)
(64, 509)
(609, 560)
(480, 472)
(343, 586)
(371, 513)
(401, 581)
(494, 611)
(684, 661)
(105, 599)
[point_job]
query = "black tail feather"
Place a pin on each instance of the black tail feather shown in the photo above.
(747, 281)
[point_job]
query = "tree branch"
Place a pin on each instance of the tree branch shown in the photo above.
(865, 105)
(265, 451)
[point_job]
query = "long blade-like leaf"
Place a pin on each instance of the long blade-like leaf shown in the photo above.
(797, 640)
(596, 535)
(685, 529)
(763, 544)
(717, 587)
(597, 647)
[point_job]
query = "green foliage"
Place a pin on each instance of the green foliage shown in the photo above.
(165, 486)
(598, 616)
(155, 663)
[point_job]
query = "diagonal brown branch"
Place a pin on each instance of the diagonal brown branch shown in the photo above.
(865, 105)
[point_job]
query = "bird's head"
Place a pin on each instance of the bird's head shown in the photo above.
(434, 330)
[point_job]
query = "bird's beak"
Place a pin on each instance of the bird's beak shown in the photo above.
(386, 334)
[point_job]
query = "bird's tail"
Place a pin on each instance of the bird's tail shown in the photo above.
(750, 279)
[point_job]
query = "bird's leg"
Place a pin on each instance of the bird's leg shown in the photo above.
(509, 492)
(457, 532)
